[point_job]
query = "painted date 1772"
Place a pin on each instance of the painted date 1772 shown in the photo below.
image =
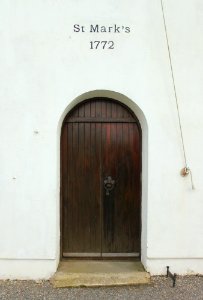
(101, 45)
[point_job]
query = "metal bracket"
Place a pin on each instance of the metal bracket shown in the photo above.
(172, 276)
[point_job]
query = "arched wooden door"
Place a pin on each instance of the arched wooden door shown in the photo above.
(101, 182)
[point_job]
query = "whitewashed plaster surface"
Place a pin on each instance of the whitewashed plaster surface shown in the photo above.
(45, 68)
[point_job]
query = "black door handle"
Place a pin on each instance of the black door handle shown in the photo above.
(109, 184)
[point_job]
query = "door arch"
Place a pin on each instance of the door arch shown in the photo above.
(101, 182)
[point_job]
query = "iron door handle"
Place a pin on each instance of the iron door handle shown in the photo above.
(109, 184)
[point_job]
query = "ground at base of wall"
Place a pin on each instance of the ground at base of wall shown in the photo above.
(187, 288)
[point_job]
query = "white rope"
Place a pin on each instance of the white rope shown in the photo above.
(188, 171)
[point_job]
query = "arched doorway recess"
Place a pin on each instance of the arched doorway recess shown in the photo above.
(101, 182)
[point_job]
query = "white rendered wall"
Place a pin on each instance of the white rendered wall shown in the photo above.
(45, 68)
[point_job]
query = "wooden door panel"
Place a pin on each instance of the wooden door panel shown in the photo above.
(121, 209)
(81, 219)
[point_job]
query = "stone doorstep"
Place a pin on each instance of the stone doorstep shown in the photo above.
(99, 273)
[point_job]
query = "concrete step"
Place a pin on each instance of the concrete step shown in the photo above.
(91, 273)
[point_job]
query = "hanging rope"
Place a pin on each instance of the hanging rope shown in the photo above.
(186, 169)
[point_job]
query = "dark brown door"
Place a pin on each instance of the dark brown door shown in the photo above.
(101, 165)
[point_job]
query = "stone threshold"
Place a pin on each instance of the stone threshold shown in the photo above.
(91, 273)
